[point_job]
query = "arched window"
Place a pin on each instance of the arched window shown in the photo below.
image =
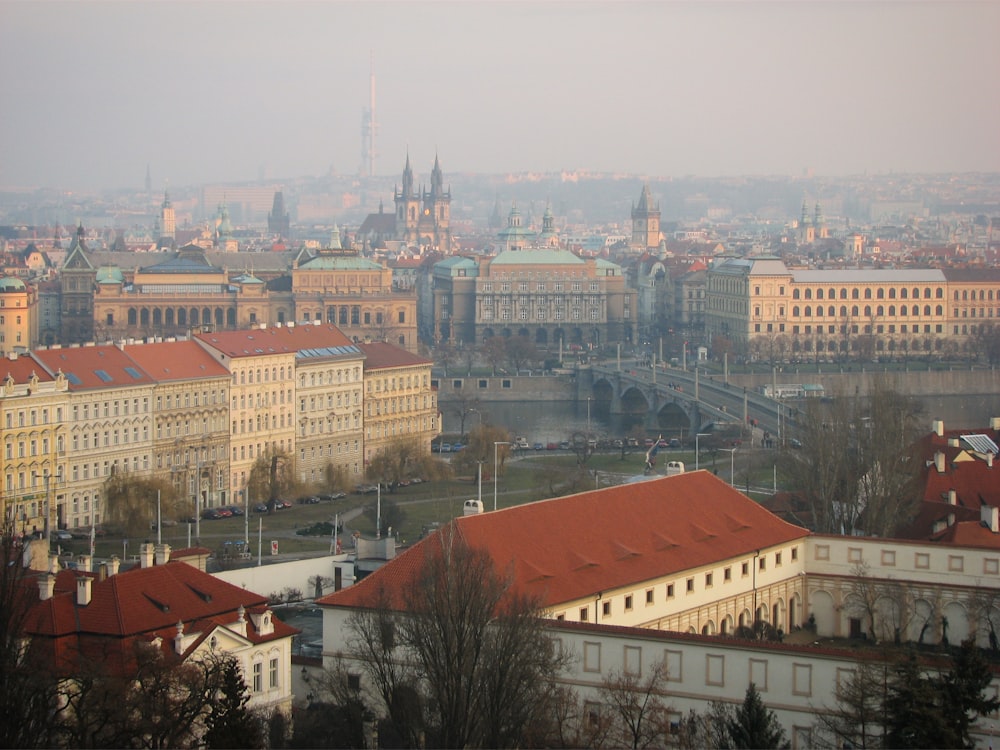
(132, 316)
(903, 292)
(843, 293)
(927, 309)
(880, 293)
(939, 293)
(795, 294)
(880, 311)
(892, 311)
(916, 310)
(938, 310)
(916, 293)
(854, 311)
(809, 293)
(809, 311)
(795, 311)
(892, 293)
(868, 293)
(819, 294)
(868, 311)
(831, 311)
(843, 311)
(855, 293)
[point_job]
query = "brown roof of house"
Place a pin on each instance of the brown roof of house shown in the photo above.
(572, 547)
(379, 355)
(275, 340)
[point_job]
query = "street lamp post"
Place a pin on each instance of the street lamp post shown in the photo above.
(588, 417)
(496, 467)
(696, 453)
(732, 465)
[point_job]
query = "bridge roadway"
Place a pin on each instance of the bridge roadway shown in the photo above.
(704, 399)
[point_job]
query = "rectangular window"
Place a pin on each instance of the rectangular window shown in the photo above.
(273, 674)
(708, 580)
(670, 591)
(258, 677)
(584, 614)
(956, 563)
(628, 603)
(888, 557)
(649, 596)
(606, 609)
(690, 585)
(591, 657)
(727, 574)
(745, 569)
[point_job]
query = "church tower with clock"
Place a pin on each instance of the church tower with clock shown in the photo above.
(424, 217)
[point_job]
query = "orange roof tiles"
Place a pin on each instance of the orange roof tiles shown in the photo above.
(379, 355)
(89, 367)
(175, 360)
(572, 547)
(22, 368)
(275, 339)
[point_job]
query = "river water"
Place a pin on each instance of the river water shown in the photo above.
(553, 421)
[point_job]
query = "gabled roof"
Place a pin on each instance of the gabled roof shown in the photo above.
(88, 367)
(175, 360)
(572, 547)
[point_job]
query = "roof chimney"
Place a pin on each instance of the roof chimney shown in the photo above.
(951, 519)
(102, 572)
(146, 552)
(989, 460)
(162, 554)
(995, 423)
(952, 442)
(46, 586)
(952, 497)
(939, 462)
(83, 590)
(83, 563)
(990, 516)
(938, 426)
(113, 564)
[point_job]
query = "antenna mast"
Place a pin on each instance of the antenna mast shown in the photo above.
(369, 125)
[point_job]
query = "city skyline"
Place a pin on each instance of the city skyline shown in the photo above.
(208, 92)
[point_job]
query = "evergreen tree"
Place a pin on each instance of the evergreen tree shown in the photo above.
(230, 724)
(962, 692)
(913, 714)
(754, 725)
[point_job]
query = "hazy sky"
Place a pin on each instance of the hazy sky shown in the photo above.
(92, 92)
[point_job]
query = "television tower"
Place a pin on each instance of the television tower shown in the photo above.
(369, 126)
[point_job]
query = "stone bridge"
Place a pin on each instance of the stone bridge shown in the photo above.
(660, 405)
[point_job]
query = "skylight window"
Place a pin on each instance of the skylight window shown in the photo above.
(73, 378)
(133, 372)
(103, 376)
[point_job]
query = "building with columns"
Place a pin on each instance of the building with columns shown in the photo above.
(546, 294)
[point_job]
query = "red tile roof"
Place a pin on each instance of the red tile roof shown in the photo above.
(89, 367)
(175, 360)
(379, 355)
(141, 604)
(275, 339)
(22, 368)
(968, 534)
(571, 547)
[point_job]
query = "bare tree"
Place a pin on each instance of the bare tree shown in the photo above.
(521, 353)
(494, 350)
(404, 459)
(130, 501)
(639, 710)
(482, 665)
(858, 717)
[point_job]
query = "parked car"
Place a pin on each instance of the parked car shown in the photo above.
(564, 445)
(538, 446)
(675, 443)
(63, 536)
(445, 447)
(551, 446)
(260, 508)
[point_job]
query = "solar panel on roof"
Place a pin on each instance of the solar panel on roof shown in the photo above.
(103, 376)
(981, 443)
